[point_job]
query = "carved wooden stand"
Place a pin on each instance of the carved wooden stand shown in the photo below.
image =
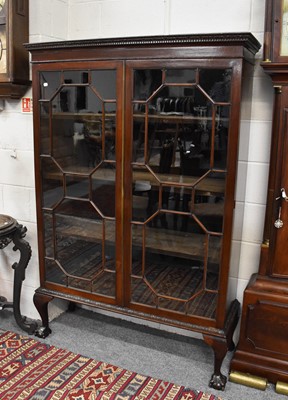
(11, 231)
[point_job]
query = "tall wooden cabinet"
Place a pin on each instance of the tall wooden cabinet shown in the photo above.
(135, 158)
(263, 344)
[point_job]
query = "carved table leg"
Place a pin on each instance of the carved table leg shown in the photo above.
(218, 380)
(41, 303)
(19, 276)
(222, 344)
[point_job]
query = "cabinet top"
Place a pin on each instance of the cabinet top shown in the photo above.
(244, 39)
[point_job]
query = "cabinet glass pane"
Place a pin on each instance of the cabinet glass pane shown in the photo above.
(78, 163)
(52, 183)
(180, 75)
(99, 80)
(103, 189)
(179, 156)
(50, 82)
(217, 83)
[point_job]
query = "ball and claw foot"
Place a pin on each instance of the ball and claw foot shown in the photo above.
(218, 382)
(43, 332)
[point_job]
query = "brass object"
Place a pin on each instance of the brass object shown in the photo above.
(279, 223)
(282, 388)
(248, 380)
(278, 89)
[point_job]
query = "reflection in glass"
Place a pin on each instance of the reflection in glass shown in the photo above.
(48, 234)
(50, 82)
(77, 186)
(209, 211)
(78, 240)
(146, 82)
(181, 76)
(54, 273)
(104, 82)
(75, 77)
(109, 152)
(110, 240)
(145, 193)
(45, 140)
(180, 134)
(217, 83)
(75, 241)
(213, 262)
(52, 182)
(103, 189)
(204, 303)
(78, 136)
(105, 282)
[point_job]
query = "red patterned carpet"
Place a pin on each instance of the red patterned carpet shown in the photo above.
(30, 369)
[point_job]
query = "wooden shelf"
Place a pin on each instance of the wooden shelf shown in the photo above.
(158, 117)
(206, 186)
(161, 241)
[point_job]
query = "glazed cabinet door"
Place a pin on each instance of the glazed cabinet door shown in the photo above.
(78, 151)
(180, 186)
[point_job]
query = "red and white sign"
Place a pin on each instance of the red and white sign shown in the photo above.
(26, 105)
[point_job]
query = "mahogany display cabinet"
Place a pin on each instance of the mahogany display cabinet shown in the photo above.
(135, 158)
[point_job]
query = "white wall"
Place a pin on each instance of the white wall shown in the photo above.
(77, 19)
(48, 21)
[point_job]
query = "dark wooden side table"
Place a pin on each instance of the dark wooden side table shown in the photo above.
(11, 231)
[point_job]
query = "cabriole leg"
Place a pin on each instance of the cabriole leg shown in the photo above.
(221, 345)
(41, 303)
(220, 348)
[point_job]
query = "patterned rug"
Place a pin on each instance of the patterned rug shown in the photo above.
(31, 369)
